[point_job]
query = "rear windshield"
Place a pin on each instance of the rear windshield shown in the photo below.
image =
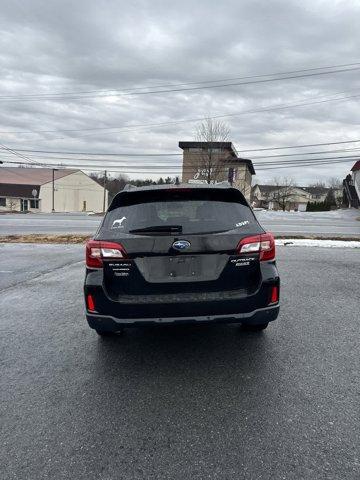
(195, 212)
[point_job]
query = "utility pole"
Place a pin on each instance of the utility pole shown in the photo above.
(231, 176)
(104, 201)
(53, 189)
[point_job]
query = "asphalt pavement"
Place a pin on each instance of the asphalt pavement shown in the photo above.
(339, 223)
(206, 402)
(48, 223)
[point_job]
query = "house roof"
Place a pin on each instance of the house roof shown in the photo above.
(19, 191)
(223, 145)
(247, 161)
(266, 188)
(356, 166)
(315, 190)
(31, 176)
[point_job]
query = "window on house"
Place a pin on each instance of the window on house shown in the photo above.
(34, 203)
(2, 202)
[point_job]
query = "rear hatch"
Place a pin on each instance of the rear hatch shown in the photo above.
(180, 241)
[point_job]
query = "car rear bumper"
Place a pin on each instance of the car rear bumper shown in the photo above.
(110, 323)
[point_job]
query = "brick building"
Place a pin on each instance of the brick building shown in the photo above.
(225, 165)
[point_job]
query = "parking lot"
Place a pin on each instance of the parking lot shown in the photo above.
(185, 402)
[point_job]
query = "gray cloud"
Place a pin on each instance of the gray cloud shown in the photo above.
(63, 46)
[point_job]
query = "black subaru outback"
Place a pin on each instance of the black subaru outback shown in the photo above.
(176, 254)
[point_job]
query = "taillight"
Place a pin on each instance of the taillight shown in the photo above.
(90, 303)
(97, 250)
(263, 244)
(274, 297)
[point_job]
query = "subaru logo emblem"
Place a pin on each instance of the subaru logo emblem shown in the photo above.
(181, 245)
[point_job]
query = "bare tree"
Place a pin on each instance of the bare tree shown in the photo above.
(283, 191)
(209, 163)
(335, 183)
(336, 187)
(12, 204)
(318, 184)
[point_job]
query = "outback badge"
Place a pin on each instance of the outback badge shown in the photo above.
(181, 245)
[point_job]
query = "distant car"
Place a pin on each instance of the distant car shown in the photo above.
(175, 254)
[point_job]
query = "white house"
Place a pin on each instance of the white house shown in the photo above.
(356, 177)
(293, 197)
(33, 189)
(351, 186)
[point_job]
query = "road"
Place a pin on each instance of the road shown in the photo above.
(185, 402)
(342, 223)
(48, 223)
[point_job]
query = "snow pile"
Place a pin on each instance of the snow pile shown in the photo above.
(347, 214)
(308, 242)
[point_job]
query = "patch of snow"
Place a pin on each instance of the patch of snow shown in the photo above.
(345, 214)
(308, 242)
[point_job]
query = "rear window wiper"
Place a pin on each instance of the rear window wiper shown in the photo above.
(158, 229)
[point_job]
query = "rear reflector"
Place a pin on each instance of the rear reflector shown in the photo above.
(90, 303)
(263, 244)
(274, 298)
(96, 251)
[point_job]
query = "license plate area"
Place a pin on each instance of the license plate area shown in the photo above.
(183, 267)
(173, 269)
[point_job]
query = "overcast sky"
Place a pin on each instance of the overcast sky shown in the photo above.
(52, 47)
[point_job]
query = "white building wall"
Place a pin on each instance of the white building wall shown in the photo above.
(356, 180)
(12, 204)
(74, 193)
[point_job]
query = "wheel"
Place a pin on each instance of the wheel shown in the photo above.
(106, 333)
(254, 328)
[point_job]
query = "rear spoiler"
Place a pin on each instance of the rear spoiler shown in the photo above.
(133, 196)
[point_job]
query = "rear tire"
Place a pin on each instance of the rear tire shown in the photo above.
(255, 328)
(106, 333)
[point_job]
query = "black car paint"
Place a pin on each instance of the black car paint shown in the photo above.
(140, 289)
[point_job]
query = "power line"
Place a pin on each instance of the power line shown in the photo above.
(135, 127)
(123, 154)
(297, 146)
(306, 153)
(13, 152)
(192, 120)
(75, 162)
(152, 155)
(180, 84)
(177, 122)
(189, 165)
(175, 90)
(152, 168)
